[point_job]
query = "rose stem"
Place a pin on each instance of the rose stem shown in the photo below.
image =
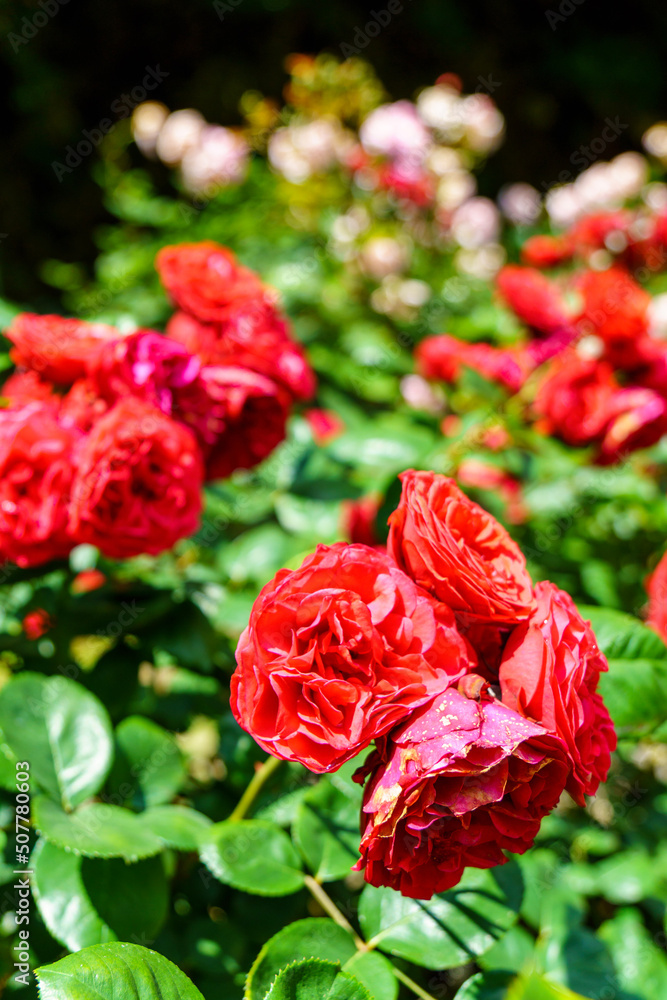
(330, 907)
(259, 779)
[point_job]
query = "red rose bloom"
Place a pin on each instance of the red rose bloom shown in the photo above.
(637, 419)
(82, 406)
(55, 347)
(37, 623)
(138, 482)
(546, 251)
(549, 674)
(443, 357)
(462, 780)
(337, 653)
(533, 298)
(206, 280)
(656, 586)
(458, 552)
(574, 398)
(147, 365)
(36, 469)
(254, 336)
(616, 310)
(27, 387)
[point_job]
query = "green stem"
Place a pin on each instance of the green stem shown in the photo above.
(328, 905)
(412, 985)
(261, 776)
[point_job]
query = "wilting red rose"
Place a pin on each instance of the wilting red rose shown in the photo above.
(254, 336)
(27, 387)
(138, 482)
(337, 653)
(533, 298)
(464, 779)
(246, 412)
(443, 357)
(615, 308)
(656, 587)
(55, 347)
(36, 469)
(206, 280)
(549, 674)
(637, 418)
(574, 397)
(147, 365)
(546, 251)
(458, 552)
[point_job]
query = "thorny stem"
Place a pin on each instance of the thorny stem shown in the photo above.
(330, 907)
(261, 776)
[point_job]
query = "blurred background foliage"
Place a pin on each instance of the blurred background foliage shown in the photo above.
(556, 75)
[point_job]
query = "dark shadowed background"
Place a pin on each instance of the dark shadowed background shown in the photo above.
(557, 69)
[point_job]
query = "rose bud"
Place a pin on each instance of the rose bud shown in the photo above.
(549, 674)
(464, 779)
(337, 653)
(458, 552)
(138, 482)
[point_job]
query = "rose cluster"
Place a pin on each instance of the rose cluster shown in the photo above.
(594, 344)
(108, 438)
(478, 688)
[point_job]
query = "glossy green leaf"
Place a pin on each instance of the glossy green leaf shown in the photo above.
(177, 826)
(640, 964)
(450, 929)
(61, 730)
(326, 830)
(254, 856)
(375, 972)
(622, 637)
(635, 692)
(315, 937)
(535, 987)
(314, 979)
(96, 830)
(486, 986)
(115, 971)
(148, 769)
(87, 901)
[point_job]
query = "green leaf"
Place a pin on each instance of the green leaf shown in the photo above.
(177, 826)
(486, 986)
(62, 730)
(316, 980)
(327, 830)
(450, 929)
(375, 972)
(641, 966)
(315, 937)
(148, 769)
(635, 693)
(622, 637)
(96, 830)
(534, 987)
(511, 952)
(85, 901)
(114, 971)
(254, 856)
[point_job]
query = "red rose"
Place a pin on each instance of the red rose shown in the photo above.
(546, 251)
(147, 365)
(549, 674)
(443, 357)
(55, 347)
(27, 387)
(458, 552)
(574, 397)
(337, 653)
(246, 412)
(138, 482)
(82, 406)
(254, 336)
(206, 280)
(533, 298)
(464, 779)
(637, 418)
(594, 231)
(616, 310)
(37, 623)
(656, 586)
(36, 469)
